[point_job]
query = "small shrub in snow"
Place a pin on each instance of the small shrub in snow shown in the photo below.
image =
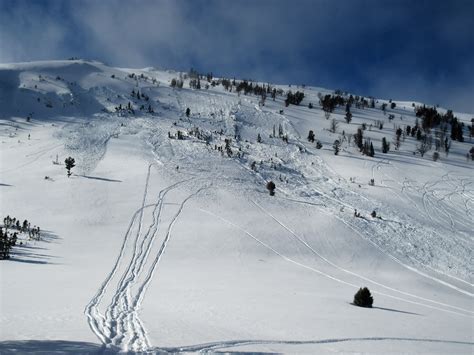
(435, 156)
(363, 298)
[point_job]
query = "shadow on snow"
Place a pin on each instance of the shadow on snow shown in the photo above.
(76, 347)
(29, 251)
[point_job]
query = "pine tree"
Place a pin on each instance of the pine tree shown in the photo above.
(348, 117)
(385, 145)
(363, 298)
(337, 147)
(271, 188)
(70, 163)
(358, 139)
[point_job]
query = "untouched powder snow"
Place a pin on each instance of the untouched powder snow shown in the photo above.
(157, 244)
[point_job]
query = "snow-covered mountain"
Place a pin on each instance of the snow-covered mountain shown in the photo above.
(165, 237)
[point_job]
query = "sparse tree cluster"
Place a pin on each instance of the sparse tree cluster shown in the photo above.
(12, 230)
(139, 96)
(330, 102)
(431, 118)
(177, 83)
(126, 109)
(294, 98)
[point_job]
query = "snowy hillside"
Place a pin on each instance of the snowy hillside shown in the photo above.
(165, 237)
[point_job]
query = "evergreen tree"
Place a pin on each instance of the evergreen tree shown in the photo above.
(385, 145)
(418, 135)
(271, 188)
(70, 163)
(363, 298)
(337, 146)
(358, 139)
(348, 117)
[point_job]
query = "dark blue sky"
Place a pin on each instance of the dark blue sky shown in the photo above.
(420, 50)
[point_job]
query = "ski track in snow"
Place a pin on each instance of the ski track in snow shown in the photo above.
(286, 258)
(141, 249)
(211, 347)
(444, 202)
(315, 252)
(95, 319)
(335, 202)
(36, 156)
(120, 327)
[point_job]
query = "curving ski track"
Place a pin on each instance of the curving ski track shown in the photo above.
(331, 277)
(120, 327)
(210, 347)
(315, 252)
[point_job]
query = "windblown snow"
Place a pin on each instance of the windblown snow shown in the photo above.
(159, 244)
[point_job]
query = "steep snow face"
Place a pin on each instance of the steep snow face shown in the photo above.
(165, 237)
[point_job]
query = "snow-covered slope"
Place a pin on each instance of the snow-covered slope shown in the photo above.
(157, 243)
